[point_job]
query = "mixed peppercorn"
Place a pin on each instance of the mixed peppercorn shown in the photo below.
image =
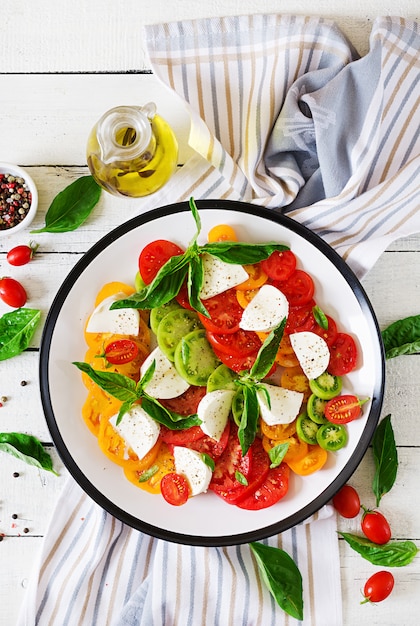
(15, 200)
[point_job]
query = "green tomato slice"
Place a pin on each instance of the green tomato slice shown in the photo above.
(306, 429)
(173, 327)
(332, 437)
(157, 314)
(326, 386)
(195, 359)
(316, 409)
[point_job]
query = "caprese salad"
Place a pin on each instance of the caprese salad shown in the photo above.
(217, 371)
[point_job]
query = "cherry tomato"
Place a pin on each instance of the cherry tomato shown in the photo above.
(12, 292)
(343, 409)
(241, 343)
(273, 489)
(298, 288)
(21, 255)
(315, 458)
(376, 527)
(175, 488)
(154, 255)
(343, 355)
(300, 318)
(328, 334)
(121, 351)
(187, 403)
(221, 232)
(225, 313)
(280, 265)
(378, 586)
(347, 502)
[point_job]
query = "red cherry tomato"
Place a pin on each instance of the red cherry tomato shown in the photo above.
(343, 409)
(328, 334)
(239, 344)
(376, 527)
(343, 355)
(378, 586)
(21, 255)
(12, 292)
(154, 255)
(121, 351)
(225, 313)
(279, 265)
(298, 288)
(300, 318)
(175, 488)
(347, 502)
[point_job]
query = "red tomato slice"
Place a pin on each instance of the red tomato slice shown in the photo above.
(328, 334)
(225, 313)
(274, 487)
(279, 265)
(175, 488)
(187, 403)
(180, 437)
(343, 409)
(182, 297)
(298, 288)
(230, 462)
(121, 351)
(210, 446)
(300, 318)
(236, 363)
(239, 344)
(154, 255)
(343, 355)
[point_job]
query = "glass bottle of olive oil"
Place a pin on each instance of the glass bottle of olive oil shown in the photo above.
(132, 151)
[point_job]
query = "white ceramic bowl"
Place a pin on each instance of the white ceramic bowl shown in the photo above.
(15, 170)
(205, 519)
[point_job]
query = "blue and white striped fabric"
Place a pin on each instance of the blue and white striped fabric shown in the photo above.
(286, 115)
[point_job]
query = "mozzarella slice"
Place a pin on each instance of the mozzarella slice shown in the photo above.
(115, 321)
(220, 276)
(265, 311)
(139, 431)
(285, 405)
(312, 353)
(213, 410)
(190, 464)
(165, 382)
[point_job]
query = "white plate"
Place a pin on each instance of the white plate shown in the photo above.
(206, 519)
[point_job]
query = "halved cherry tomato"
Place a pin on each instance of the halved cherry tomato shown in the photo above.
(313, 461)
(175, 488)
(221, 232)
(273, 489)
(242, 343)
(187, 403)
(378, 587)
(12, 292)
(300, 318)
(257, 278)
(376, 527)
(121, 351)
(347, 502)
(280, 265)
(298, 288)
(343, 355)
(328, 334)
(154, 255)
(225, 313)
(343, 409)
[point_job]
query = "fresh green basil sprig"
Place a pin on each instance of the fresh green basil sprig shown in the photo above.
(129, 392)
(27, 448)
(402, 337)
(385, 457)
(391, 554)
(16, 331)
(189, 265)
(249, 384)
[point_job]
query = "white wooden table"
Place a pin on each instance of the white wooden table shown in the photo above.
(62, 64)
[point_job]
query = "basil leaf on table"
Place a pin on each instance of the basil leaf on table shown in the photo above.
(281, 576)
(391, 554)
(402, 337)
(28, 449)
(16, 331)
(72, 206)
(385, 457)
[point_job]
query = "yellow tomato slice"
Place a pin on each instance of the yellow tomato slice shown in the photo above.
(297, 449)
(165, 463)
(315, 458)
(278, 431)
(293, 378)
(245, 297)
(221, 232)
(257, 278)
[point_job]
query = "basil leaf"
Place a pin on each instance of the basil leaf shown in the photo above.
(282, 577)
(208, 461)
(385, 457)
(28, 449)
(72, 206)
(160, 414)
(195, 283)
(16, 331)
(391, 554)
(267, 353)
(144, 476)
(320, 317)
(402, 337)
(147, 377)
(196, 216)
(121, 387)
(239, 253)
(277, 454)
(241, 478)
(249, 420)
(124, 408)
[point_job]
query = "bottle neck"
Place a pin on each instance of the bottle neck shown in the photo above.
(125, 133)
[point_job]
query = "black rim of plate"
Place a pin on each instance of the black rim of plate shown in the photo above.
(322, 498)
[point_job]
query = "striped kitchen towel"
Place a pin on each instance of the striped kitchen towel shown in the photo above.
(283, 114)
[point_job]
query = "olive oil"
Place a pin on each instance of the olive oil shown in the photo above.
(131, 151)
